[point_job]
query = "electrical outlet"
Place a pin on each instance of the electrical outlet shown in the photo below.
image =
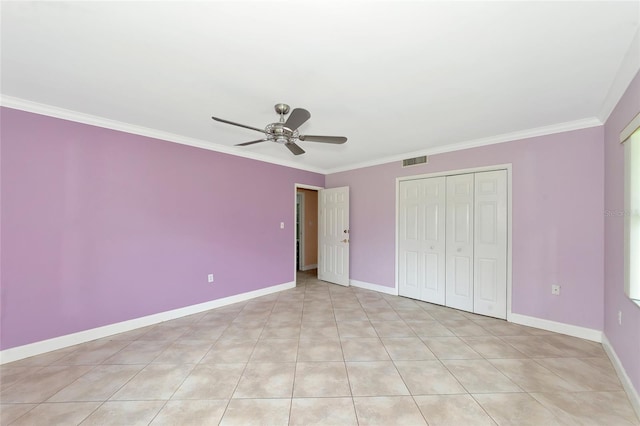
(210, 278)
(555, 290)
(619, 317)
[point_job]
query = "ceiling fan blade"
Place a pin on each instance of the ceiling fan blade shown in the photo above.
(294, 148)
(251, 142)
(297, 118)
(324, 139)
(237, 124)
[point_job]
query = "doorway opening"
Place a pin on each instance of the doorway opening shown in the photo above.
(306, 232)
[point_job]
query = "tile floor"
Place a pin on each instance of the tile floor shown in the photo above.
(320, 354)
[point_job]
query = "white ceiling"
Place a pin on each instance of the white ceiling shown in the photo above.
(394, 77)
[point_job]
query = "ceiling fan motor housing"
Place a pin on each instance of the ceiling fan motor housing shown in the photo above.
(277, 132)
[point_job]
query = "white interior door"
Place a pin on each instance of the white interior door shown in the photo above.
(333, 235)
(421, 239)
(459, 242)
(490, 245)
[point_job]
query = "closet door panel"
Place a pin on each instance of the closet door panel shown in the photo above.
(460, 241)
(490, 244)
(421, 239)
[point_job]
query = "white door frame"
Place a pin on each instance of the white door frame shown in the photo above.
(507, 167)
(295, 201)
(300, 220)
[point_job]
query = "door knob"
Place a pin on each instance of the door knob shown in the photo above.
(459, 249)
(344, 241)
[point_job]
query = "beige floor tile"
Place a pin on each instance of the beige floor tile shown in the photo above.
(356, 329)
(516, 409)
(280, 331)
(202, 332)
(323, 412)
(43, 359)
(230, 350)
(375, 379)
(321, 379)
(450, 348)
(349, 314)
(98, 384)
(447, 314)
(93, 353)
(210, 381)
(492, 347)
(41, 385)
(381, 314)
(10, 375)
(319, 350)
(139, 352)
(503, 328)
(590, 408)
(130, 413)
(10, 412)
(184, 352)
(531, 376)
(363, 349)
(479, 376)
(235, 331)
(165, 332)
(392, 329)
(574, 347)
(319, 330)
(388, 410)
(416, 314)
(201, 413)
(428, 378)
(407, 348)
(429, 328)
(280, 357)
(317, 316)
(584, 375)
(257, 412)
(464, 328)
(452, 410)
(533, 346)
(49, 414)
(275, 350)
(266, 380)
(155, 381)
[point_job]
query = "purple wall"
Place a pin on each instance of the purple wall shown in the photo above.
(100, 226)
(624, 338)
(557, 220)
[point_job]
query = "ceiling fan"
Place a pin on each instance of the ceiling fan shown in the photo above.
(286, 132)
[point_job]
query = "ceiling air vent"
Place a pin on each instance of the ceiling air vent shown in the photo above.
(414, 161)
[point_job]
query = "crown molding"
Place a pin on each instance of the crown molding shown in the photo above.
(475, 143)
(626, 73)
(78, 117)
(65, 114)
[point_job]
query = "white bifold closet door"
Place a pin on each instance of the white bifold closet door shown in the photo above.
(459, 242)
(452, 241)
(490, 244)
(421, 239)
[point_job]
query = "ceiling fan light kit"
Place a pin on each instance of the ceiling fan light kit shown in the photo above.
(286, 132)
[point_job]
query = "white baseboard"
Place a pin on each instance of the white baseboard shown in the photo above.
(632, 392)
(558, 327)
(37, 348)
(375, 287)
(309, 267)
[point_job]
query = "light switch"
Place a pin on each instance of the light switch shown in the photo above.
(281, 225)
